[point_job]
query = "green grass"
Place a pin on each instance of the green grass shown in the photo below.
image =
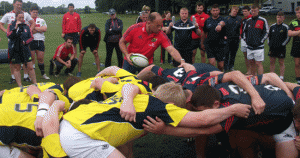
(150, 145)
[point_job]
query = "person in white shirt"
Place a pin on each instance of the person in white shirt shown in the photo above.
(37, 45)
(8, 18)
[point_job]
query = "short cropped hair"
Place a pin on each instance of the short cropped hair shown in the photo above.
(171, 92)
(280, 13)
(70, 5)
(34, 8)
(146, 75)
(184, 8)
(80, 102)
(297, 9)
(254, 7)
(152, 16)
(200, 4)
(92, 26)
(156, 81)
(17, 1)
(205, 95)
(235, 7)
(70, 81)
(246, 7)
(215, 6)
(69, 38)
(18, 13)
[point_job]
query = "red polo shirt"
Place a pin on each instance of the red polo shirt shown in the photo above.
(200, 20)
(63, 52)
(141, 42)
(71, 23)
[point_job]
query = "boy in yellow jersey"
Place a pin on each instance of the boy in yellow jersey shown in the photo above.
(99, 129)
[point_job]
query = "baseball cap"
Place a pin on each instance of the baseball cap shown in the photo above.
(112, 11)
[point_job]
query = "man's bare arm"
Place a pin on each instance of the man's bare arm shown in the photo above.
(109, 71)
(2, 27)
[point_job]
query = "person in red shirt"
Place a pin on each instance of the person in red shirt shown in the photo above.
(200, 17)
(61, 58)
(71, 26)
(144, 38)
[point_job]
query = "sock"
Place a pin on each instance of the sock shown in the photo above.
(33, 65)
(281, 77)
(42, 68)
(298, 80)
(26, 76)
(13, 77)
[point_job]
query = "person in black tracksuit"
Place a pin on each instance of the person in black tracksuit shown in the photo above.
(166, 22)
(255, 31)
(113, 33)
(278, 39)
(233, 24)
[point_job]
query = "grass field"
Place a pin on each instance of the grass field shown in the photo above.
(150, 145)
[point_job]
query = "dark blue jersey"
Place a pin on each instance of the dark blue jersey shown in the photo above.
(183, 34)
(278, 35)
(177, 74)
(277, 115)
(204, 68)
(296, 92)
(214, 37)
(233, 26)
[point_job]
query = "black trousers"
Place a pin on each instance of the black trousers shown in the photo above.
(231, 49)
(56, 64)
(186, 55)
(109, 50)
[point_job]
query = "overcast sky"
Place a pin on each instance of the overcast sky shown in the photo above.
(56, 3)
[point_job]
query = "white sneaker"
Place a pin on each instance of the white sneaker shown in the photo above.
(46, 77)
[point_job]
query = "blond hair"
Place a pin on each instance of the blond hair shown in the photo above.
(171, 92)
(235, 7)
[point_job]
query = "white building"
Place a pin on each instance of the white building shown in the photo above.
(285, 5)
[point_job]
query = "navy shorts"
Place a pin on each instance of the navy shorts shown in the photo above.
(196, 44)
(277, 52)
(37, 45)
(295, 52)
(92, 47)
(75, 37)
(20, 57)
(215, 51)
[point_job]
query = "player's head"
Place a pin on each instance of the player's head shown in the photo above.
(34, 11)
(78, 103)
(184, 13)
(171, 93)
(92, 28)
(146, 9)
(69, 82)
(200, 7)
(234, 10)
(156, 81)
(215, 10)
(71, 7)
(144, 16)
(112, 13)
(20, 16)
(280, 17)
(254, 10)
(68, 41)
(167, 14)
(246, 11)
(297, 10)
(205, 97)
(145, 75)
(155, 22)
(296, 114)
(17, 5)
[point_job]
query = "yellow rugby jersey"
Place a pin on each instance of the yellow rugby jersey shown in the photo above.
(52, 147)
(19, 94)
(102, 121)
(59, 91)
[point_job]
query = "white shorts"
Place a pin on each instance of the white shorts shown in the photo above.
(257, 55)
(287, 135)
(79, 145)
(9, 152)
(243, 46)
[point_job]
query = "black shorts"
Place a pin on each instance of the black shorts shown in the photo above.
(75, 37)
(215, 51)
(4, 57)
(18, 58)
(277, 52)
(92, 47)
(196, 44)
(295, 52)
(37, 45)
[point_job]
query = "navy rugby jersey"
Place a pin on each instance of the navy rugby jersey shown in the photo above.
(214, 37)
(232, 27)
(278, 36)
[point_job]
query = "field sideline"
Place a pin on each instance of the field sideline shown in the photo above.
(150, 145)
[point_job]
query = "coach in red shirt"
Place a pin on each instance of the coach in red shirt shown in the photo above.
(71, 26)
(200, 17)
(144, 38)
(61, 58)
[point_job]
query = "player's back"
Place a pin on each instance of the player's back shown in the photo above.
(204, 68)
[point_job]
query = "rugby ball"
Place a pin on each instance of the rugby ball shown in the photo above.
(139, 60)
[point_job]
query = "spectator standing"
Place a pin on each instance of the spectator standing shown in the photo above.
(8, 18)
(233, 25)
(183, 35)
(71, 26)
(294, 31)
(144, 14)
(247, 15)
(200, 17)
(166, 22)
(256, 31)
(113, 34)
(37, 46)
(20, 36)
(90, 36)
(278, 39)
(61, 58)
(144, 38)
(213, 36)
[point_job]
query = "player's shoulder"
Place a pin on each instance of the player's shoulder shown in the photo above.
(273, 25)
(285, 25)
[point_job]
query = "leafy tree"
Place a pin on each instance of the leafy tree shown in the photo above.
(87, 10)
